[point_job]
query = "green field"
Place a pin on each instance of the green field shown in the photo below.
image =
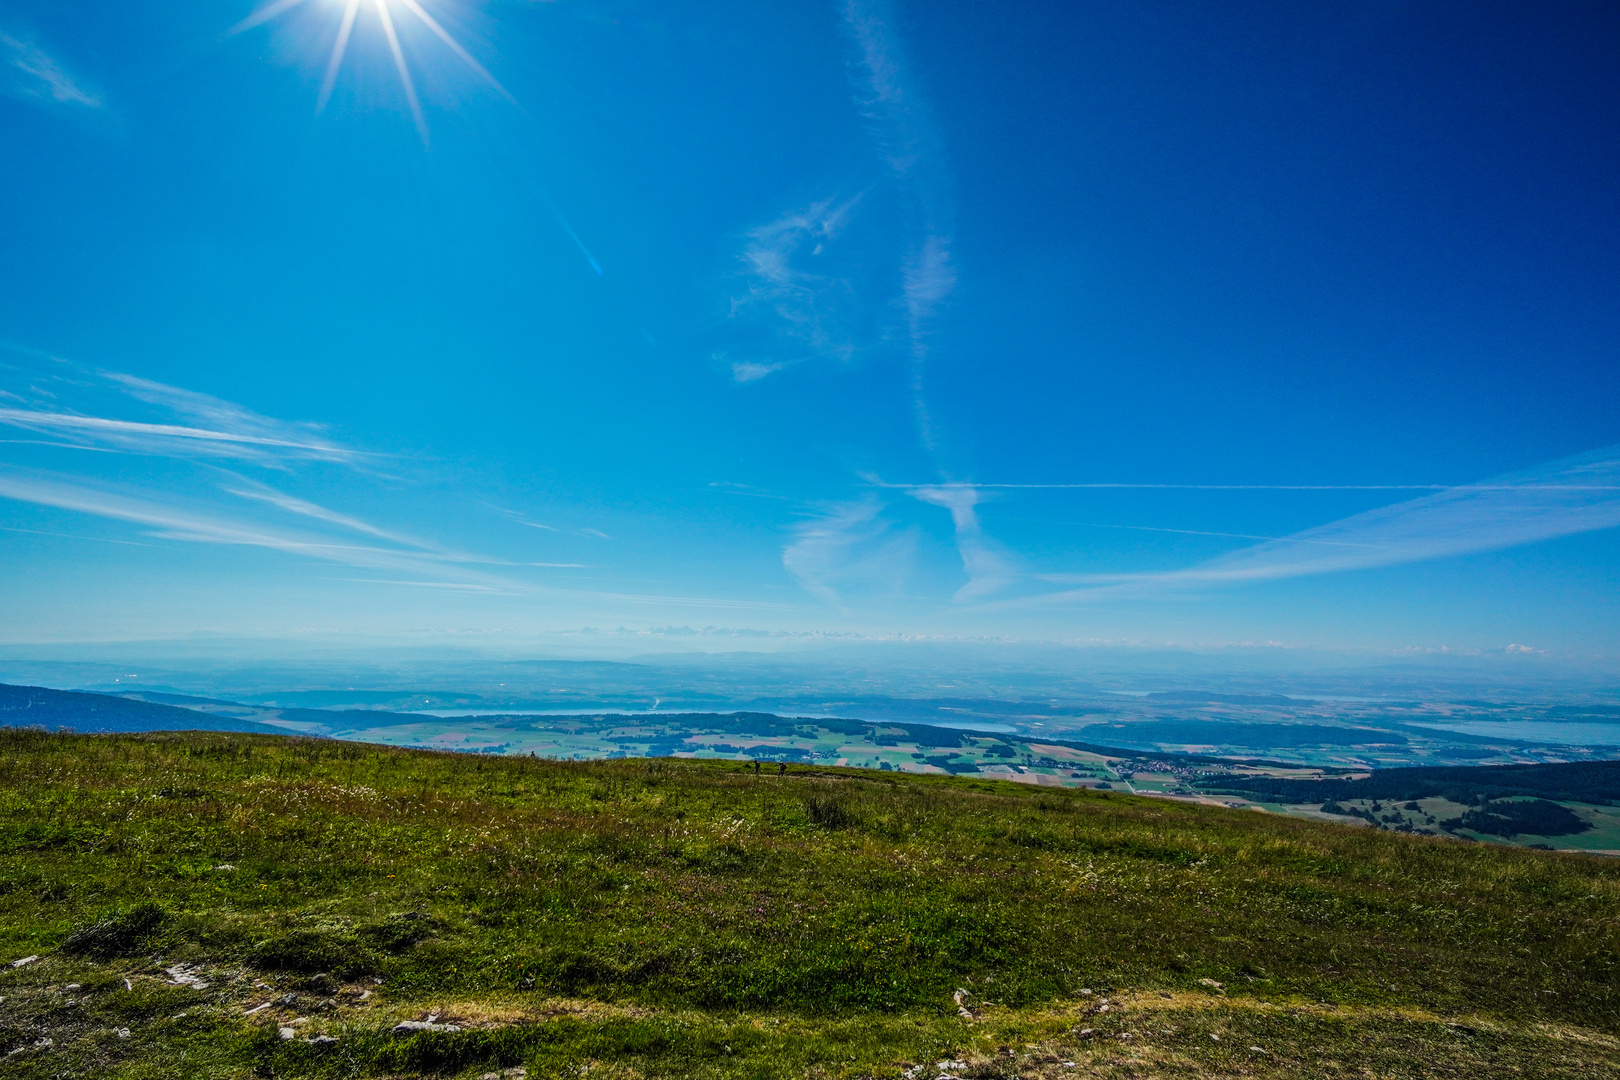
(222, 905)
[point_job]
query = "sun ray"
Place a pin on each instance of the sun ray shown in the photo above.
(338, 48)
(263, 15)
(455, 47)
(271, 9)
(404, 71)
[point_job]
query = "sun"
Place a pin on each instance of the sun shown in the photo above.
(352, 10)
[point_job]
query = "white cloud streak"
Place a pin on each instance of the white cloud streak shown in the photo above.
(186, 424)
(135, 435)
(905, 129)
(987, 567)
(31, 72)
(816, 290)
(848, 551)
(176, 522)
(811, 310)
(1574, 495)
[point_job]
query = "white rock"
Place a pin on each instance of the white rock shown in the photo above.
(258, 1008)
(411, 1027)
(181, 975)
(24, 962)
(287, 1033)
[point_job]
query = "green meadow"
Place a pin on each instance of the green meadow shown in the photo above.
(224, 905)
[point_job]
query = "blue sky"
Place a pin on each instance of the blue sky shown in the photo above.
(1112, 322)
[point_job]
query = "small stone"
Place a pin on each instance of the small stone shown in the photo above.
(72, 986)
(1211, 983)
(321, 1040)
(1085, 1033)
(122, 1033)
(24, 962)
(411, 1027)
(181, 975)
(1214, 1036)
(287, 1033)
(1257, 1049)
(258, 1008)
(1085, 993)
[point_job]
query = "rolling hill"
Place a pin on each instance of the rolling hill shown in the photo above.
(38, 706)
(235, 905)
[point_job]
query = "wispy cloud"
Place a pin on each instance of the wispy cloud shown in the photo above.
(114, 411)
(120, 414)
(248, 489)
(905, 129)
(171, 519)
(136, 436)
(826, 281)
(849, 551)
(987, 567)
(1574, 495)
(30, 72)
(576, 530)
(795, 291)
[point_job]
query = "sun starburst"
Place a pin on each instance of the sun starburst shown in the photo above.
(385, 20)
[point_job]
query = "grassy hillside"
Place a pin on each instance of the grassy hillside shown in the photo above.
(241, 905)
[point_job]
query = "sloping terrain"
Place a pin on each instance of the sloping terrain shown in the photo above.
(38, 706)
(221, 905)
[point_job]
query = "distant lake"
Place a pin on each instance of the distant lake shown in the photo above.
(956, 725)
(1535, 731)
